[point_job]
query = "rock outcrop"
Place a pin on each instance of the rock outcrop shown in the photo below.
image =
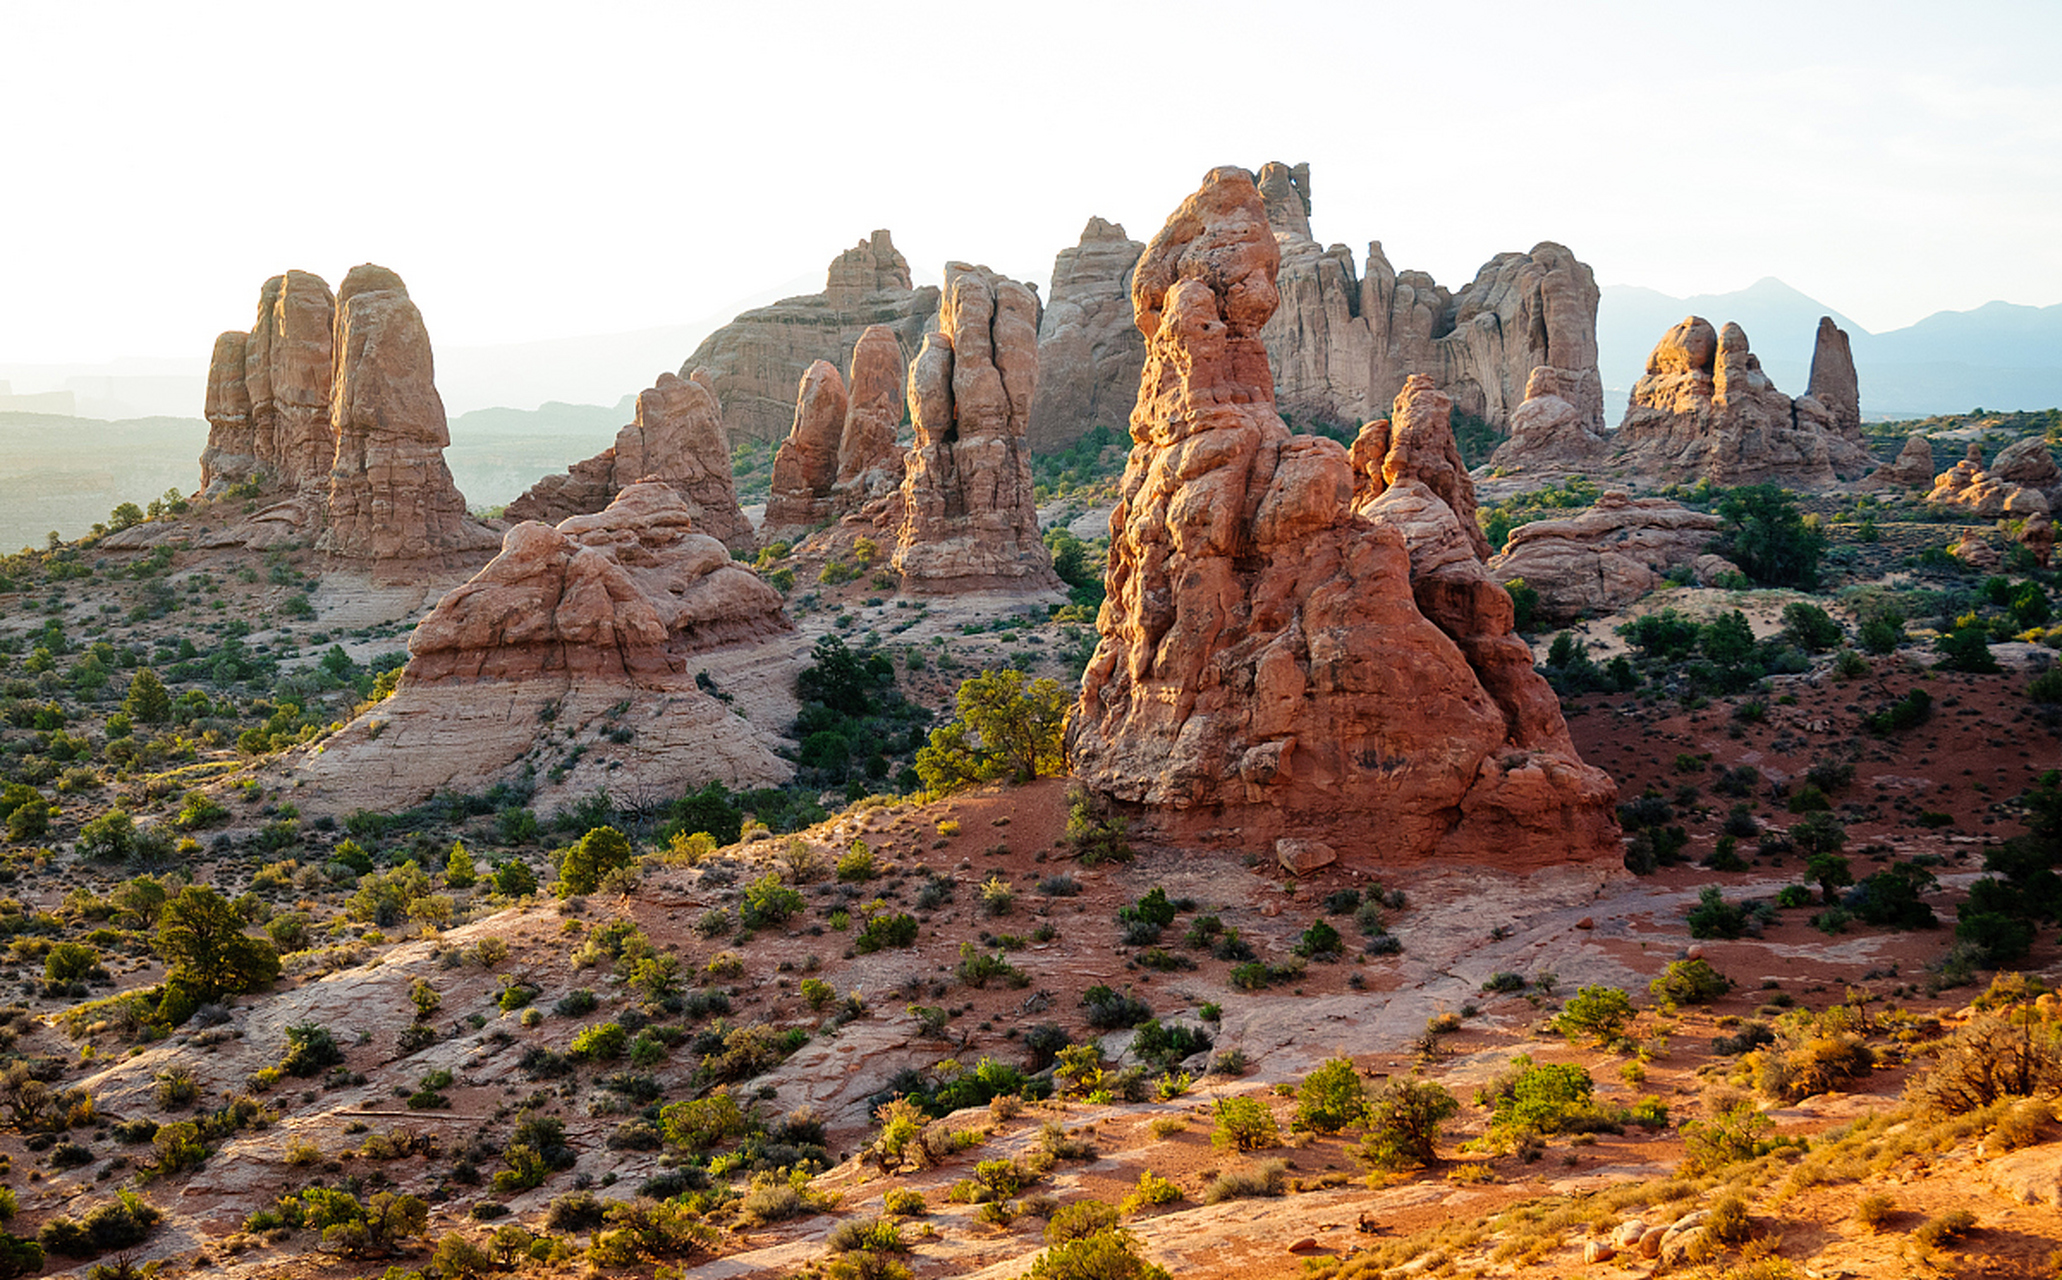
(869, 459)
(1608, 555)
(1549, 432)
(1705, 410)
(1089, 351)
(755, 361)
(230, 457)
(969, 521)
(1343, 340)
(1989, 492)
(1911, 469)
(2027, 462)
(1833, 385)
(551, 640)
(391, 496)
(806, 466)
(1275, 664)
(677, 437)
(2037, 535)
(289, 366)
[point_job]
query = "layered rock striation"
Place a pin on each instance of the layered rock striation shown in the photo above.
(1089, 351)
(755, 361)
(580, 632)
(1705, 410)
(391, 496)
(1343, 341)
(969, 519)
(1607, 555)
(1550, 432)
(677, 437)
(1293, 646)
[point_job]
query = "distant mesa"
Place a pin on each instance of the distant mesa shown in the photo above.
(1301, 643)
(678, 438)
(328, 406)
(755, 361)
(632, 605)
(1704, 410)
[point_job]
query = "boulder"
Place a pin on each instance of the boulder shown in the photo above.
(230, 457)
(1975, 549)
(2037, 535)
(968, 516)
(1548, 432)
(806, 466)
(754, 362)
(1267, 668)
(390, 494)
(1705, 410)
(1988, 492)
(1089, 351)
(677, 437)
(1606, 556)
(1301, 857)
(1911, 469)
(1343, 341)
(2029, 463)
(598, 625)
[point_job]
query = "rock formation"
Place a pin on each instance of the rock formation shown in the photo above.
(969, 520)
(1911, 469)
(1705, 410)
(390, 495)
(554, 636)
(1990, 492)
(2027, 462)
(1549, 432)
(2037, 535)
(1608, 555)
(230, 457)
(1976, 549)
(1274, 664)
(1089, 351)
(755, 361)
(806, 466)
(1833, 385)
(869, 459)
(677, 437)
(1343, 341)
(288, 370)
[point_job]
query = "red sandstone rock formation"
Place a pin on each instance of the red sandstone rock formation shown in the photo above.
(230, 457)
(754, 362)
(677, 437)
(806, 467)
(592, 633)
(1992, 492)
(1549, 432)
(288, 368)
(869, 460)
(1834, 387)
(1911, 469)
(969, 520)
(1089, 351)
(1274, 664)
(1705, 410)
(1608, 555)
(390, 493)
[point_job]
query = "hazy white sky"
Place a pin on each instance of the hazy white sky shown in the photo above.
(541, 170)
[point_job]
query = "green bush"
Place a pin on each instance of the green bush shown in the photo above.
(588, 862)
(1403, 1124)
(1244, 1123)
(1598, 1013)
(896, 929)
(1689, 982)
(1331, 1097)
(768, 902)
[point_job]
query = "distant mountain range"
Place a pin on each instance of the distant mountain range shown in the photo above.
(1998, 356)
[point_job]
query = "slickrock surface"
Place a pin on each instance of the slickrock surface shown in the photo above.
(1267, 666)
(1089, 351)
(1343, 341)
(555, 634)
(1911, 469)
(1704, 409)
(1549, 431)
(755, 361)
(390, 496)
(1606, 556)
(1989, 492)
(806, 467)
(677, 437)
(969, 519)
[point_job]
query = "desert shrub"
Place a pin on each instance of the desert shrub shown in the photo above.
(1599, 1013)
(1874, 1211)
(1008, 724)
(1543, 1098)
(1164, 1045)
(1807, 1064)
(1110, 1010)
(895, 929)
(1714, 917)
(1079, 1220)
(1995, 1056)
(1111, 1254)
(591, 859)
(575, 1211)
(1736, 1132)
(768, 902)
(310, 1048)
(1244, 1123)
(1403, 1121)
(1152, 1190)
(1689, 982)
(1331, 1097)
(1267, 1178)
(1951, 1225)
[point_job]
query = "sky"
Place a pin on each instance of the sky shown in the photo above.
(549, 170)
